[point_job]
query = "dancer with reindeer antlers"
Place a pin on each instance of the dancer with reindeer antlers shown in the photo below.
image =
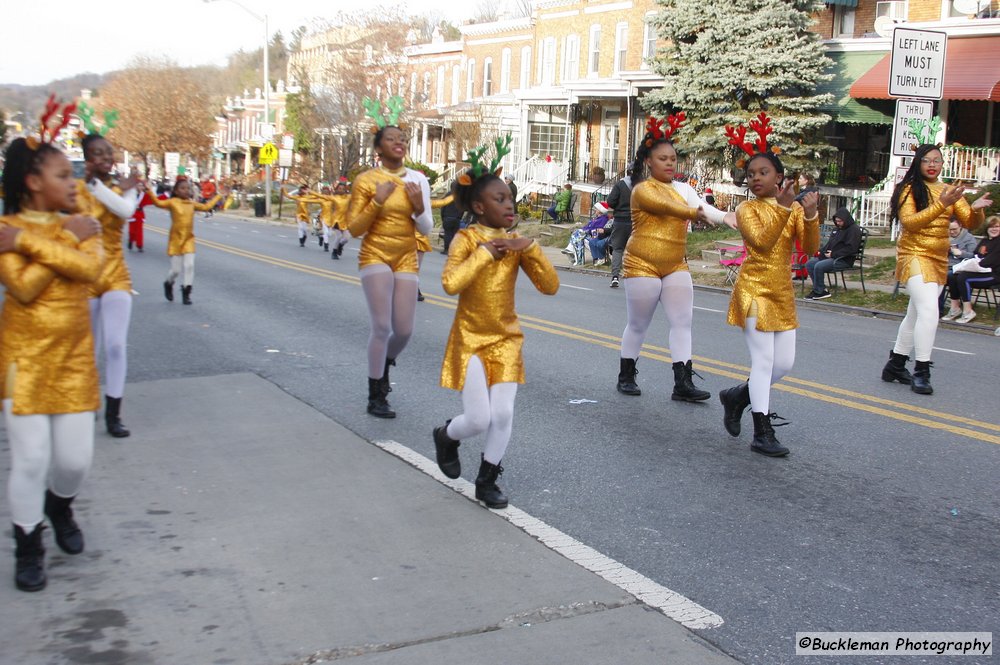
(763, 300)
(388, 205)
(654, 265)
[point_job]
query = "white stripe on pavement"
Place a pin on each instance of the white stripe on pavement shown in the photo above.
(709, 309)
(581, 288)
(682, 610)
(964, 353)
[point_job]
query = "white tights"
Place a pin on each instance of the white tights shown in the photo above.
(487, 409)
(676, 293)
(338, 237)
(392, 310)
(45, 449)
(772, 355)
(109, 319)
(919, 326)
(183, 266)
(303, 228)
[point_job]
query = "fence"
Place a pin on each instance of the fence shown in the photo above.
(974, 165)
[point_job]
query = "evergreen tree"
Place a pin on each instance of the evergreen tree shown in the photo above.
(727, 61)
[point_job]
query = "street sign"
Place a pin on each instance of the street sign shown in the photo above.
(904, 143)
(268, 154)
(917, 68)
(171, 163)
(284, 158)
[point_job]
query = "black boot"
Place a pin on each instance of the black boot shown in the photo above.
(487, 490)
(186, 294)
(112, 417)
(326, 246)
(684, 388)
(922, 378)
(447, 452)
(377, 404)
(420, 296)
(763, 436)
(895, 369)
(302, 241)
(735, 401)
(30, 571)
(334, 254)
(69, 538)
(626, 377)
(168, 291)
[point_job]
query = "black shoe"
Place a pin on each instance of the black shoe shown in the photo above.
(487, 489)
(130, 245)
(68, 536)
(763, 435)
(377, 404)
(112, 418)
(626, 377)
(734, 402)
(822, 296)
(168, 291)
(812, 295)
(446, 450)
(186, 294)
(895, 369)
(334, 255)
(684, 388)
(30, 571)
(140, 249)
(302, 242)
(420, 296)
(326, 246)
(922, 378)
(614, 282)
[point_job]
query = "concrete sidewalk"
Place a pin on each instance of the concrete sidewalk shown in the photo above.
(239, 525)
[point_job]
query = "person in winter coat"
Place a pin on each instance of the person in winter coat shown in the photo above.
(838, 253)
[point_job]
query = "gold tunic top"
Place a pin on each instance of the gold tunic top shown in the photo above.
(765, 281)
(46, 346)
(924, 237)
(182, 221)
(302, 204)
(327, 205)
(341, 202)
(115, 275)
(658, 242)
(389, 230)
(485, 322)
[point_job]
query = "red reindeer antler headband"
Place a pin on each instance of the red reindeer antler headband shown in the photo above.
(762, 126)
(48, 133)
(656, 131)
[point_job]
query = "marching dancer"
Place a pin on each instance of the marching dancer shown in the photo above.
(303, 199)
(47, 262)
(180, 247)
(483, 357)
(924, 207)
(111, 202)
(339, 235)
(388, 205)
(763, 299)
(655, 265)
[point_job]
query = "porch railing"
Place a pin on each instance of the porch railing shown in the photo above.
(974, 165)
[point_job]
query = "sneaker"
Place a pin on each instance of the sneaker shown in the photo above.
(614, 282)
(600, 262)
(952, 315)
(966, 317)
(811, 295)
(822, 296)
(568, 252)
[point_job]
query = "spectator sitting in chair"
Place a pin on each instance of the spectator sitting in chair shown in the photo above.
(985, 274)
(962, 246)
(596, 233)
(838, 253)
(561, 202)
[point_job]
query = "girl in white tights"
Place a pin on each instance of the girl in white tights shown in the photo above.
(483, 356)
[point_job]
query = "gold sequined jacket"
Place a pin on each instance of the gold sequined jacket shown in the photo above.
(182, 221)
(114, 275)
(389, 230)
(658, 242)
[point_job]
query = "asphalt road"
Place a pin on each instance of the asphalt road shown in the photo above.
(884, 518)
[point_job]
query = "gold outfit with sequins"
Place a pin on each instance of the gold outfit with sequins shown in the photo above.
(114, 275)
(46, 346)
(764, 286)
(485, 322)
(658, 242)
(389, 230)
(182, 221)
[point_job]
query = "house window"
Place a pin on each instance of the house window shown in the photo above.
(470, 78)
(413, 86)
(648, 41)
(571, 58)
(487, 77)
(440, 85)
(594, 53)
(505, 70)
(456, 84)
(547, 139)
(843, 21)
(621, 46)
(549, 61)
(525, 80)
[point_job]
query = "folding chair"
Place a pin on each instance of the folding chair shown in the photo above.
(733, 262)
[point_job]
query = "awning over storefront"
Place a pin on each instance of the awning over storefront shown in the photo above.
(971, 71)
(847, 67)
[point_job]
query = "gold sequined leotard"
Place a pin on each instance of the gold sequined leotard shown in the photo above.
(302, 203)
(485, 321)
(114, 275)
(924, 239)
(658, 242)
(765, 281)
(389, 230)
(182, 221)
(46, 348)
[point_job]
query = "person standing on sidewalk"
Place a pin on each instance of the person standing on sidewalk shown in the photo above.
(620, 202)
(924, 206)
(180, 246)
(838, 253)
(655, 263)
(483, 357)
(763, 299)
(112, 202)
(47, 261)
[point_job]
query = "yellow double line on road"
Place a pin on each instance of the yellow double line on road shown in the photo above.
(908, 413)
